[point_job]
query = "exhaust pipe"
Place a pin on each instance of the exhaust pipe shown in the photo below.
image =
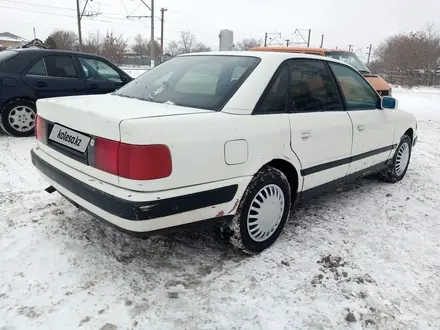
(50, 189)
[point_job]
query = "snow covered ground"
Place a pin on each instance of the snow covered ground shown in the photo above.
(61, 269)
(134, 72)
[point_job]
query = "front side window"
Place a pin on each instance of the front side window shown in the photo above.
(358, 94)
(200, 81)
(95, 69)
(312, 87)
(60, 66)
(38, 69)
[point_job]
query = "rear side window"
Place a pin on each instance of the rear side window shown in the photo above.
(274, 101)
(200, 81)
(312, 87)
(359, 95)
(38, 69)
(7, 55)
(60, 66)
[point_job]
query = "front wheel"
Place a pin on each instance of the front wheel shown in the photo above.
(397, 169)
(263, 211)
(18, 118)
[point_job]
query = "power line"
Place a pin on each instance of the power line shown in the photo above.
(72, 16)
(107, 14)
(59, 11)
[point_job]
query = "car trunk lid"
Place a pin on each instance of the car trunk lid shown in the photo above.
(70, 126)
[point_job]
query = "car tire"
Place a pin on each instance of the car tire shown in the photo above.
(262, 212)
(17, 118)
(397, 169)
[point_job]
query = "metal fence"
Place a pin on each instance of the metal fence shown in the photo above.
(411, 78)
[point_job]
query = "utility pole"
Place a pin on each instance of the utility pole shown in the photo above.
(322, 41)
(350, 47)
(267, 36)
(369, 54)
(287, 42)
(152, 35)
(152, 29)
(162, 20)
(308, 39)
(79, 15)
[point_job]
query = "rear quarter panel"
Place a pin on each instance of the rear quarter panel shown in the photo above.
(197, 145)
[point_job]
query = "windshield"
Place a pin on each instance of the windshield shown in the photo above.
(200, 81)
(6, 55)
(351, 59)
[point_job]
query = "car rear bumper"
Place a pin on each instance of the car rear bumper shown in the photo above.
(142, 212)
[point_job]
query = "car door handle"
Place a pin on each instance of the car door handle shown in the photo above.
(360, 127)
(41, 84)
(94, 86)
(306, 134)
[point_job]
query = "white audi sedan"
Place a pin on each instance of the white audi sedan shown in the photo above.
(225, 139)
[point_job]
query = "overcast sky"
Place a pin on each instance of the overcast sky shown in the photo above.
(344, 22)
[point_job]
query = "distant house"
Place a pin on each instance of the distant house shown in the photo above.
(167, 56)
(8, 39)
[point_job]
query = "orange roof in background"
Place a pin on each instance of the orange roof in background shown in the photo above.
(296, 49)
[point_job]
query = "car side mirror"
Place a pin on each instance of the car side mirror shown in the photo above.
(389, 103)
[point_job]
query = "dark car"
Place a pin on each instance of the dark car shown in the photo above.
(27, 75)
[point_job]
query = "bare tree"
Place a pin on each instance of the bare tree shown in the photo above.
(114, 48)
(64, 39)
(93, 43)
(414, 56)
(248, 43)
(140, 45)
(50, 42)
(186, 44)
(157, 49)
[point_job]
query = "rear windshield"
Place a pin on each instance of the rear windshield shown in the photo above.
(201, 81)
(6, 55)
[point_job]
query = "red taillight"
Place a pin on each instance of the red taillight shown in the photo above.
(106, 155)
(40, 129)
(144, 162)
(135, 162)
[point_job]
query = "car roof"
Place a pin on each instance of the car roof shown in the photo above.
(267, 55)
(298, 49)
(52, 51)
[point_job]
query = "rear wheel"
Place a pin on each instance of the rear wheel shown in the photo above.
(397, 169)
(262, 213)
(18, 118)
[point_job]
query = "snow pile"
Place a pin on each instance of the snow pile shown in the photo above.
(366, 257)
